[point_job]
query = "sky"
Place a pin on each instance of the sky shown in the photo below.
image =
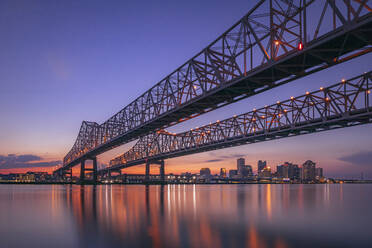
(63, 62)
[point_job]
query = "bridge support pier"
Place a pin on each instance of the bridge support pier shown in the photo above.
(67, 174)
(83, 169)
(162, 171)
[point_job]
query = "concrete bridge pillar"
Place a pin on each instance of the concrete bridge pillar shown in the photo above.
(147, 174)
(94, 170)
(67, 174)
(162, 174)
(162, 171)
(82, 171)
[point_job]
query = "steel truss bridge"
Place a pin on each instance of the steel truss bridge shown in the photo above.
(276, 42)
(345, 104)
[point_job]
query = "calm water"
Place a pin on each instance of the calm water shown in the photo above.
(278, 216)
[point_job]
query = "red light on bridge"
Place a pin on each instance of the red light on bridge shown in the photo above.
(300, 46)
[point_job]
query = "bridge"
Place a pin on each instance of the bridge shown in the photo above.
(345, 104)
(276, 42)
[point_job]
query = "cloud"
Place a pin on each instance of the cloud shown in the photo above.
(219, 158)
(363, 158)
(213, 160)
(13, 161)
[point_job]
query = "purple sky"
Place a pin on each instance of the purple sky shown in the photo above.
(63, 62)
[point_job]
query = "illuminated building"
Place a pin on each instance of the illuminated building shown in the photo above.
(265, 173)
(288, 170)
(205, 172)
(233, 173)
(308, 171)
(223, 172)
(318, 173)
(260, 165)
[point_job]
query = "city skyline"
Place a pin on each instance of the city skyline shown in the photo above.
(32, 89)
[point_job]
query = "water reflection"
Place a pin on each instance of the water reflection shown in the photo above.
(280, 216)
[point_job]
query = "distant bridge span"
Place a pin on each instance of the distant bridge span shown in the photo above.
(274, 43)
(345, 104)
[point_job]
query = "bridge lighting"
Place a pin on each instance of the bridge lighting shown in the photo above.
(263, 117)
(218, 120)
(292, 97)
(368, 92)
(278, 102)
(307, 92)
(276, 42)
(254, 110)
(195, 87)
(343, 80)
(300, 46)
(327, 99)
(321, 88)
(285, 110)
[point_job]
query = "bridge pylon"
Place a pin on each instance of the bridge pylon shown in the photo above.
(67, 174)
(161, 168)
(83, 169)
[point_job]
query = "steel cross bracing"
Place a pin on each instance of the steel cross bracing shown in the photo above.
(276, 42)
(345, 104)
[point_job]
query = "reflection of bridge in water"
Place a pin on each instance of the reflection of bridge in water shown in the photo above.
(160, 216)
(273, 44)
(207, 216)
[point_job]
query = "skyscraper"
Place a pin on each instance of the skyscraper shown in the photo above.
(308, 171)
(240, 165)
(288, 170)
(233, 173)
(261, 165)
(205, 172)
(223, 172)
(318, 172)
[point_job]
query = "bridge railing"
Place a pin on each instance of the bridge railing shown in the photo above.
(345, 98)
(270, 31)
